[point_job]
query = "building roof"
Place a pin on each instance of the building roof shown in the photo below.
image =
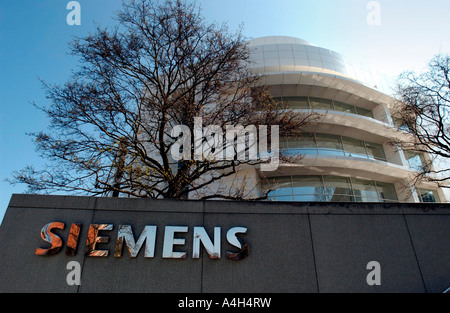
(279, 40)
(290, 56)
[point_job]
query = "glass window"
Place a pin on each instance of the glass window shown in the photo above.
(331, 152)
(335, 185)
(386, 191)
(302, 151)
(363, 199)
(307, 185)
(427, 195)
(375, 151)
(283, 186)
(284, 150)
(344, 107)
(329, 144)
(321, 104)
(364, 112)
(340, 198)
(281, 198)
(325, 144)
(296, 102)
(400, 123)
(365, 190)
(304, 145)
(354, 147)
(311, 198)
(416, 160)
(337, 189)
(307, 141)
(283, 143)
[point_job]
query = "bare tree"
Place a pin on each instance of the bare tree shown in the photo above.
(111, 124)
(422, 116)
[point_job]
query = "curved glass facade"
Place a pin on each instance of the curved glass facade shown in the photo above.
(309, 103)
(327, 144)
(330, 189)
(355, 102)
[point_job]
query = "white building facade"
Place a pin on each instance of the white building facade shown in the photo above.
(347, 153)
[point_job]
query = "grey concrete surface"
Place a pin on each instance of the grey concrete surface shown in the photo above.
(294, 247)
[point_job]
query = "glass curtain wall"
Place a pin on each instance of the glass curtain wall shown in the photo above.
(323, 104)
(326, 144)
(330, 189)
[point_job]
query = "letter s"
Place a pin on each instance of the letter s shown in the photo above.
(241, 244)
(51, 238)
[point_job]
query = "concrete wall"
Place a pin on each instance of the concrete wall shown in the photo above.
(294, 247)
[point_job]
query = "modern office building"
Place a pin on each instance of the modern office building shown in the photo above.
(347, 154)
(119, 245)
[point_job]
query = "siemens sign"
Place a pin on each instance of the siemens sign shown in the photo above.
(126, 237)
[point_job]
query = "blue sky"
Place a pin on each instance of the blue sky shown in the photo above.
(34, 37)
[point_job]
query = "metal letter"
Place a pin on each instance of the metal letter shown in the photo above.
(125, 233)
(238, 243)
(51, 238)
(201, 235)
(72, 241)
(170, 241)
(93, 239)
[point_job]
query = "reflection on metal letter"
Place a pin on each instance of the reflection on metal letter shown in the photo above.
(239, 243)
(51, 238)
(200, 235)
(170, 241)
(93, 239)
(72, 241)
(125, 233)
